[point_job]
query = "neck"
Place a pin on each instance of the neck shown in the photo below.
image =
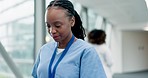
(63, 44)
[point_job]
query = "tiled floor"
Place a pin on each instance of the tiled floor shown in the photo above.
(143, 74)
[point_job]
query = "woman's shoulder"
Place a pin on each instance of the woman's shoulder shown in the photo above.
(83, 44)
(49, 45)
(85, 48)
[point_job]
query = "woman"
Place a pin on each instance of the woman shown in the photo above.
(97, 38)
(68, 56)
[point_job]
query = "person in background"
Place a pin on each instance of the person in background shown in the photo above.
(68, 56)
(97, 38)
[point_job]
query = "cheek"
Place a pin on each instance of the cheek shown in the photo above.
(66, 30)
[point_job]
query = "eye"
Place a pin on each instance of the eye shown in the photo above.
(48, 26)
(58, 24)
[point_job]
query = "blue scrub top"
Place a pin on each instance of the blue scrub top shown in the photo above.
(81, 61)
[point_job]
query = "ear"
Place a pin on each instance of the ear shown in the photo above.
(72, 21)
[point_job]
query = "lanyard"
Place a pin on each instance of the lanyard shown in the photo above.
(52, 74)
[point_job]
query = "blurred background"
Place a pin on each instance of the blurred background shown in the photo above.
(23, 32)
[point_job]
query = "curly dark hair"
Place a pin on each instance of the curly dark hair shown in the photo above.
(78, 30)
(97, 36)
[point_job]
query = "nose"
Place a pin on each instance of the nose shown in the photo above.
(52, 30)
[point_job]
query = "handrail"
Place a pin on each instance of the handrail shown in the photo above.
(10, 62)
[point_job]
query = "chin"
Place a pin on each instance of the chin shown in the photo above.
(57, 40)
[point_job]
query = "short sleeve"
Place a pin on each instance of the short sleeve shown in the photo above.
(91, 66)
(34, 70)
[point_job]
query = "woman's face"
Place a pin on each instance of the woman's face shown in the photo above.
(59, 24)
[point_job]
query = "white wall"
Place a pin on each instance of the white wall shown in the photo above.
(130, 50)
(135, 51)
(116, 48)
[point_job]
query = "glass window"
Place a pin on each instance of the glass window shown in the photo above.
(17, 35)
(92, 16)
(99, 22)
(4, 69)
(84, 18)
(108, 31)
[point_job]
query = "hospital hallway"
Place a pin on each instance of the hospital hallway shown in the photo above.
(143, 74)
(24, 30)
